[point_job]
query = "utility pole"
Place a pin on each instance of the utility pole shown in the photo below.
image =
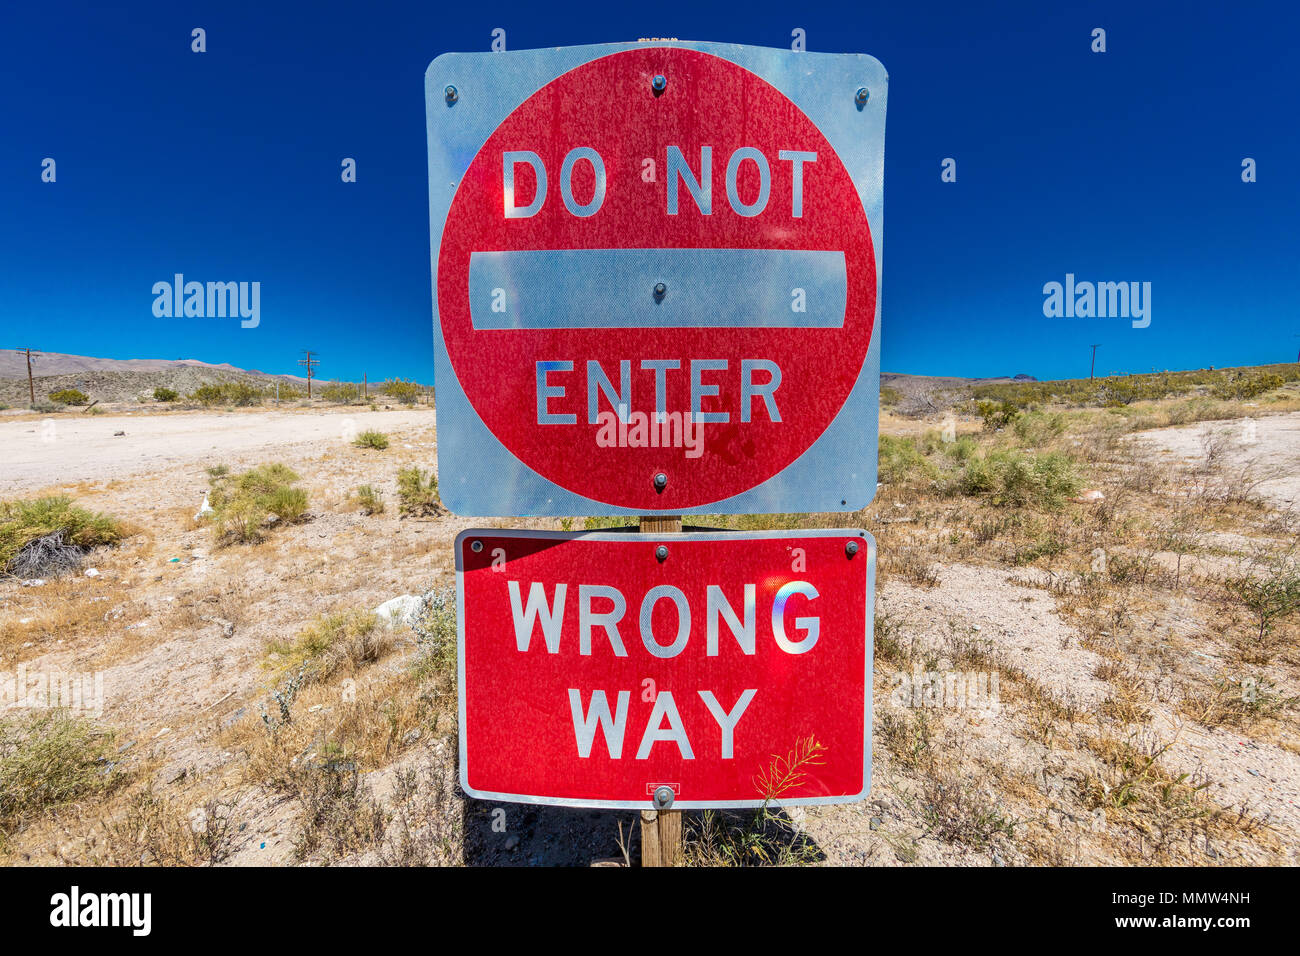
(309, 363)
(31, 386)
(1093, 367)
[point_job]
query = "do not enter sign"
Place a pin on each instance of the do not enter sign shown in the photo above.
(730, 667)
(656, 277)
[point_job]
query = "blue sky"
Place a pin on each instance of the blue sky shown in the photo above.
(1122, 166)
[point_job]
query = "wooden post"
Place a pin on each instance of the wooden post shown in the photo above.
(661, 830)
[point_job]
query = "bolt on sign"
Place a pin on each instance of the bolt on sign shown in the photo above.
(596, 670)
(656, 277)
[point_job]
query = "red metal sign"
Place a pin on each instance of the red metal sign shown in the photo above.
(597, 668)
(657, 265)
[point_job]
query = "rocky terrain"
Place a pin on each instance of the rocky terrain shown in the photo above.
(116, 380)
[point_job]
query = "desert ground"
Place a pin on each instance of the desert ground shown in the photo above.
(1107, 565)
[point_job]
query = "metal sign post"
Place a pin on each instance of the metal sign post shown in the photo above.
(661, 828)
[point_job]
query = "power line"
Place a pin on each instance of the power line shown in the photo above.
(31, 386)
(309, 363)
(1093, 367)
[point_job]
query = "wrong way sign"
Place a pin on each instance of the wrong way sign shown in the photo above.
(596, 669)
(656, 273)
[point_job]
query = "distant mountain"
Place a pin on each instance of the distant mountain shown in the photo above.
(14, 365)
(117, 380)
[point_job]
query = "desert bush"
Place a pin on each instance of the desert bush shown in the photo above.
(1118, 391)
(961, 449)
(1035, 429)
(289, 392)
(343, 641)
(69, 396)
(370, 499)
(425, 825)
(902, 459)
(909, 738)
(242, 504)
(45, 408)
(890, 396)
(957, 812)
(341, 392)
(371, 439)
(161, 394)
(418, 491)
(436, 633)
(405, 392)
(339, 814)
(154, 830)
(35, 533)
(1271, 595)
(996, 415)
(1015, 478)
(47, 761)
(1246, 386)
(240, 394)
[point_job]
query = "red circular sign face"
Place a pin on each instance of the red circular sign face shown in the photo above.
(530, 385)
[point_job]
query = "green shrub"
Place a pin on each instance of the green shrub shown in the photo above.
(371, 439)
(901, 459)
(242, 503)
(889, 396)
(287, 504)
(996, 415)
(241, 394)
(405, 392)
(69, 396)
(161, 394)
(417, 491)
(1037, 428)
(1012, 477)
(333, 642)
(1245, 386)
(25, 522)
(288, 392)
(962, 449)
(341, 392)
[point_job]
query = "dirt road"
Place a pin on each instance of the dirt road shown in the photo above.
(70, 448)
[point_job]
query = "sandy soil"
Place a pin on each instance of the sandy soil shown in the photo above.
(1269, 446)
